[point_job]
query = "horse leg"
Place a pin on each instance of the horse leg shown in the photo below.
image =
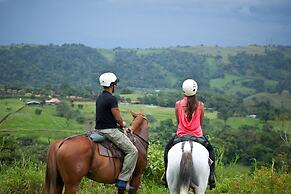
(120, 191)
(71, 189)
(199, 190)
(72, 182)
(135, 182)
(53, 181)
(59, 188)
(173, 180)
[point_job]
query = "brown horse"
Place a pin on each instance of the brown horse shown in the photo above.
(71, 159)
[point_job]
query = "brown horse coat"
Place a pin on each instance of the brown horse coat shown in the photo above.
(69, 160)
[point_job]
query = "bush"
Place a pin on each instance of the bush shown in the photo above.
(263, 180)
(80, 119)
(155, 167)
(23, 177)
(38, 111)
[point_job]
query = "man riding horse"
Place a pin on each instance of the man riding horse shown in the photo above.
(108, 119)
(189, 114)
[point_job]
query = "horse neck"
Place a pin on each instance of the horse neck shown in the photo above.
(140, 128)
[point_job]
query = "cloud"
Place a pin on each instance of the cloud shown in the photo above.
(144, 22)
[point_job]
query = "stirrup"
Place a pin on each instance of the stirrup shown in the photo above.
(211, 182)
(164, 180)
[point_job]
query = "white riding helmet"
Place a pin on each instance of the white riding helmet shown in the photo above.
(189, 87)
(107, 78)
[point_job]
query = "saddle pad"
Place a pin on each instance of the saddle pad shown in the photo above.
(108, 149)
(96, 137)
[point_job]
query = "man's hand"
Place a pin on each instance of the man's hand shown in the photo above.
(124, 124)
(127, 130)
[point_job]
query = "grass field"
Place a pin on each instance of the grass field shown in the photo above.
(27, 177)
(236, 122)
(133, 96)
(277, 100)
(231, 84)
(9, 105)
(47, 124)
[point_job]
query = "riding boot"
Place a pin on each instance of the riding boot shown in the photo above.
(124, 185)
(212, 166)
(164, 179)
(212, 176)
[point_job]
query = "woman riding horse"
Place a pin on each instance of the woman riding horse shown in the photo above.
(189, 114)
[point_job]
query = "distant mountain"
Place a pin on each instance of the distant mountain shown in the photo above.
(238, 70)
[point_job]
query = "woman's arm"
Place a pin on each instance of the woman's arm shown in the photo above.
(202, 112)
(176, 112)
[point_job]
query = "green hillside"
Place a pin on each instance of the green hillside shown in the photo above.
(230, 70)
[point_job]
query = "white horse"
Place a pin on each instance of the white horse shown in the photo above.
(188, 169)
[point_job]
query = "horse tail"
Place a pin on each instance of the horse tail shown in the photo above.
(186, 171)
(52, 177)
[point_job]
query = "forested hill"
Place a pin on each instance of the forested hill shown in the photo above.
(237, 70)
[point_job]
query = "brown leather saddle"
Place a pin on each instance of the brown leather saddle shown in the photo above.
(106, 147)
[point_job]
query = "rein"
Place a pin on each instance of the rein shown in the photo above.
(145, 141)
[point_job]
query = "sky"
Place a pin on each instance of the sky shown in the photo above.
(145, 23)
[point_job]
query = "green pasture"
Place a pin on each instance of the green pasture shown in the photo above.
(222, 51)
(88, 110)
(133, 96)
(27, 119)
(281, 125)
(282, 100)
(159, 113)
(48, 125)
(108, 54)
(222, 82)
(9, 105)
(231, 84)
(236, 122)
(212, 66)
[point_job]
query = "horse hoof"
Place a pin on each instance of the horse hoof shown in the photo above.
(130, 188)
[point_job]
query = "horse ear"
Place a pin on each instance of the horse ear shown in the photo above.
(132, 113)
(142, 112)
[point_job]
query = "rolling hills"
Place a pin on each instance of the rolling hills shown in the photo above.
(238, 70)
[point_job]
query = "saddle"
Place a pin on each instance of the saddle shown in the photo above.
(106, 147)
(202, 140)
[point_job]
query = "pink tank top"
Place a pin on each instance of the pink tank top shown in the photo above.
(192, 127)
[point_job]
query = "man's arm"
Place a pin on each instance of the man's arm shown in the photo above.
(116, 113)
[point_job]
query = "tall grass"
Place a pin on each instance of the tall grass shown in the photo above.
(23, 177)
(27, 177)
